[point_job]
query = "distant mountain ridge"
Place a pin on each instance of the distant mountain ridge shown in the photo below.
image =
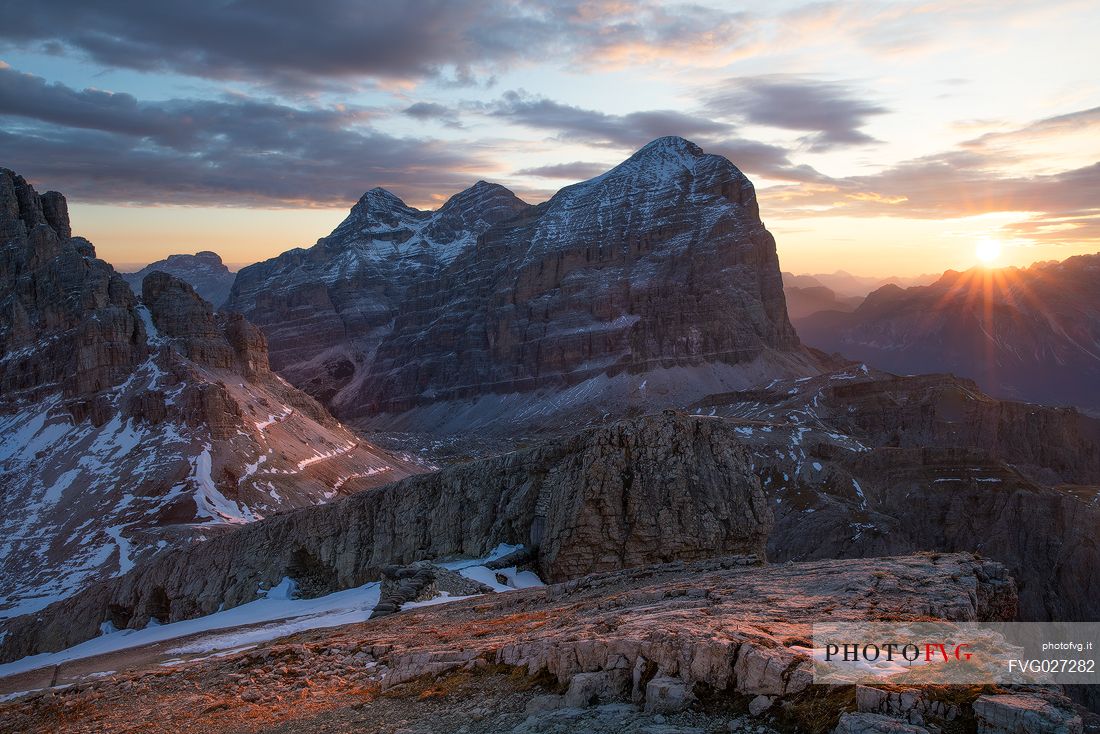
(803, 302)
(204, 271)
(846, 285)
(1024, 333)
(650, 283)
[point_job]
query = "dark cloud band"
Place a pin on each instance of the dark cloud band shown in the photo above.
(113, 148)
(289, 44)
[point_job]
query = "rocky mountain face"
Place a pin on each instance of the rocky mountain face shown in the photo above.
(642, 491)
(1026, 334)
(651, 282)
(129, 424)
(326, 309)
(204, 271)
(860, 463)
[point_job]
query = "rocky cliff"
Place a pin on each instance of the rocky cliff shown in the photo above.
(657, 275)
(859, 463)
(129, 425)
(204, 271)
(1021, 333)
(643, 491)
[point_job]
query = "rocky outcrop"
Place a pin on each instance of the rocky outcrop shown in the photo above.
(182, 315)
(641, 491)
(911, 704)
(1021, 333)
(658, 272)
(863, 463)
(1010, 713)
(127, 425)
(221, 341)
(421, 581)
(204, 271)
(51, 285)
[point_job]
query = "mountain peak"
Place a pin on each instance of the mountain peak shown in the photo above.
(659, 160)
(670, 146)
(479, 194)
(204, 271)
(380, 198)
(381, 210)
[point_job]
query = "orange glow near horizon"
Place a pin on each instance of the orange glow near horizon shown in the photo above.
(133, 236)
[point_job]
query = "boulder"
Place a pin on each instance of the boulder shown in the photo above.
(1019, 713)
(875, 724)
(667, 695)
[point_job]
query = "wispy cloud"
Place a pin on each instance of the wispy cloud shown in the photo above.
(256, 151)
(575, 171)
(425, 111)
(1061, 207)
(833, 114)
(593, 127)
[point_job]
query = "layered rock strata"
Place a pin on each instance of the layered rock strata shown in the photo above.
(658, 273)
(640, 491)
(859, 463)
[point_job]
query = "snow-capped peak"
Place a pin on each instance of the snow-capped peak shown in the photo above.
(670, 146)
(662, 158)
(379, 196)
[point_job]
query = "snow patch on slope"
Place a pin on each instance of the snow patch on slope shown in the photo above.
(211, 503)
(275, 614)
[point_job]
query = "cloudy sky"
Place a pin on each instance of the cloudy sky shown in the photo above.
(884, 138)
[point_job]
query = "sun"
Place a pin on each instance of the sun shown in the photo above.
(987, 250)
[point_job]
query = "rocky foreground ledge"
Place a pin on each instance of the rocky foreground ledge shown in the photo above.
(708, 646)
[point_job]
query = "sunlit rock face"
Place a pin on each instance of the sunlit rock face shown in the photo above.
(1022, 333)
(131, 425)
(659, 272)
